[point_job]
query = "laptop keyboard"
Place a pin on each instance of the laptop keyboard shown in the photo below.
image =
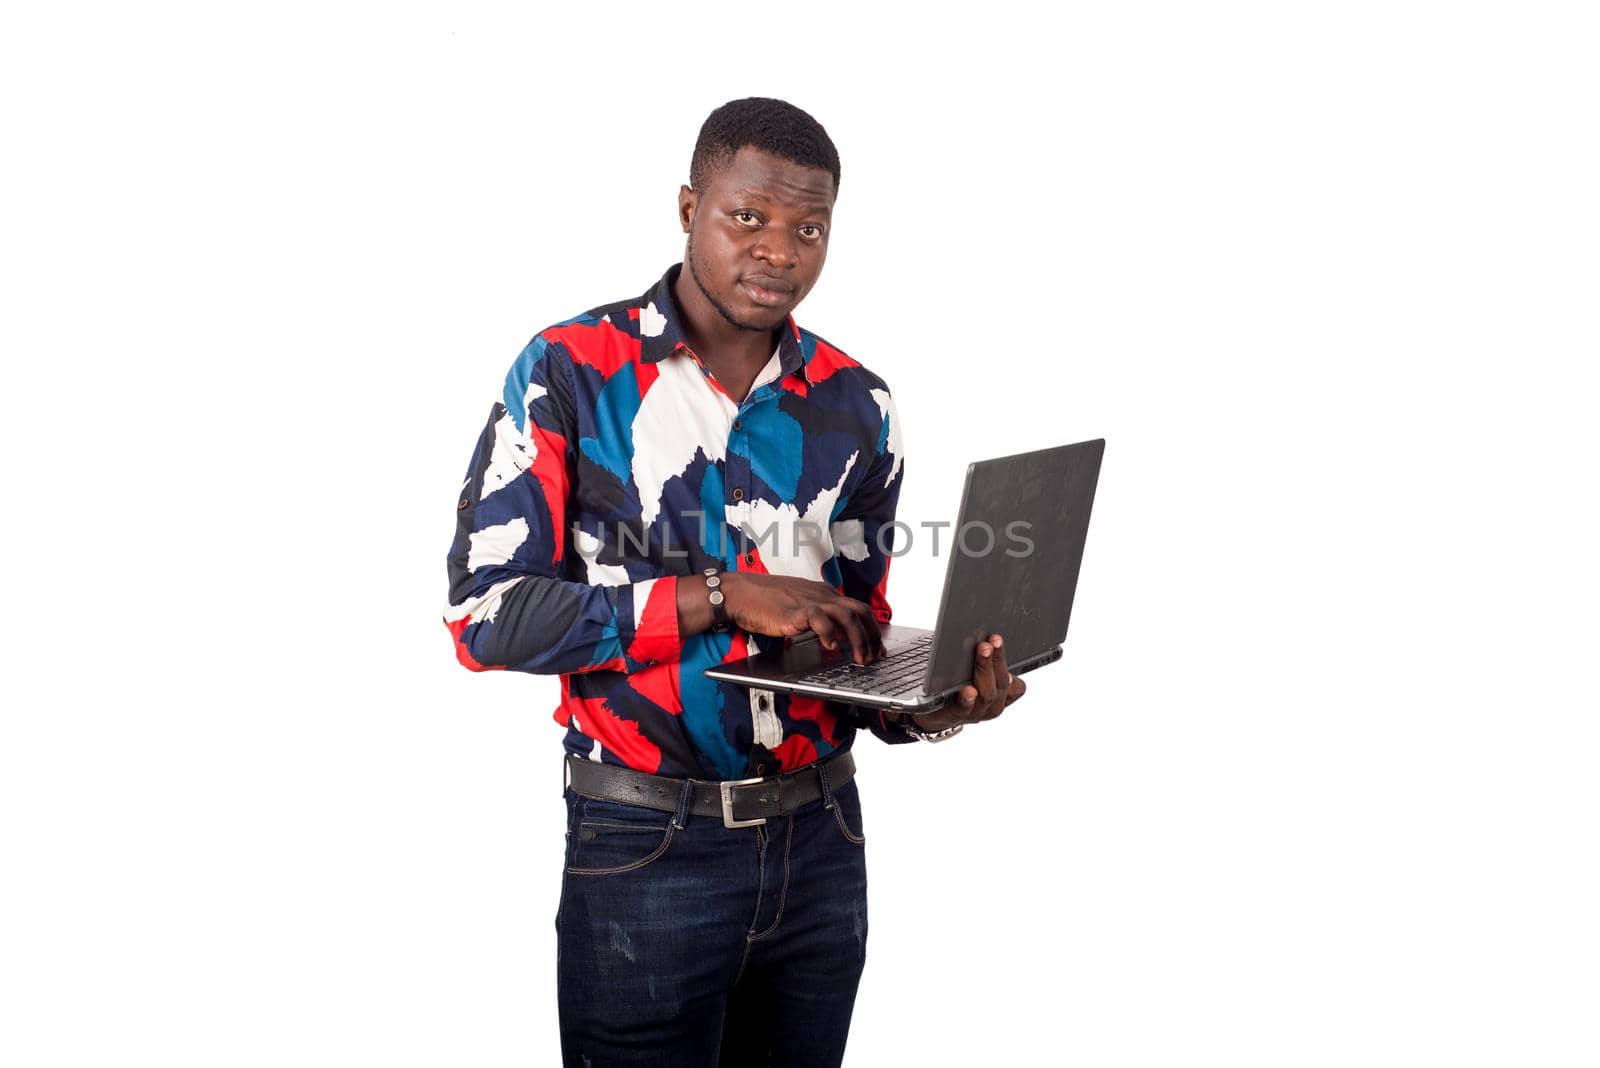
(898, 671)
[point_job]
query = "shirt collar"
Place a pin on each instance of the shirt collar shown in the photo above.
(660, 334)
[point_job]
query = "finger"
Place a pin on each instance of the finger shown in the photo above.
(823, 626)
(983, 673)
(1015, 690)
(1002, 674)
(1011, 694)
(862, 613)
(869, 623)
(831, 627)
(860, 644)
(962, 702)
(1002, 677)
(994, 708)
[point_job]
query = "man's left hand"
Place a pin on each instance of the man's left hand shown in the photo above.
(992, 689)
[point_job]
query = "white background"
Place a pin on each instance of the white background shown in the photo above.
(1315, 783)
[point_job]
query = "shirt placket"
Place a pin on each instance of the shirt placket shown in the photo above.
(737, 473)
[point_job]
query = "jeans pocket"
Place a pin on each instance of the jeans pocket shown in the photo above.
(847, 813)
(610, 837)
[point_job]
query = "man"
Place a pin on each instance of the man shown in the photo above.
(667, 483)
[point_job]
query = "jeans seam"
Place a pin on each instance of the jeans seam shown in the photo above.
(660, 849)
(618, 825)
(783, 894)
(838, 816)
(761, 887)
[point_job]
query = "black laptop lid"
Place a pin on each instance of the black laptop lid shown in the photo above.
(1023, 592)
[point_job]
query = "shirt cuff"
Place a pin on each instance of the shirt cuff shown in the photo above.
(656, 638)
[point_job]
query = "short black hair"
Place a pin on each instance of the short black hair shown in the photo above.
(774, 126)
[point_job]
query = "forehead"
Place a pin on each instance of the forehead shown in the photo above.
(763, 176)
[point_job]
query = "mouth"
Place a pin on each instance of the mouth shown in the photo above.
(767, 292)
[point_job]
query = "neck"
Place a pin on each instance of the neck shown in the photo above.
(715, 340)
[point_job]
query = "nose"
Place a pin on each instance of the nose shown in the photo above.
(780, 250)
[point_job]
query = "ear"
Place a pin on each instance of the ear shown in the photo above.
(687, 198)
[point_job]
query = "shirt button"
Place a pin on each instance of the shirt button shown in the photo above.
(738, 494)
(737, 424)
(749, 558)
(761, 769)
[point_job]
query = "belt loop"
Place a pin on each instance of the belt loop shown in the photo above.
(827, 791)
(680, 820)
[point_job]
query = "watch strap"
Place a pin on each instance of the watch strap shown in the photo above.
(720, 623)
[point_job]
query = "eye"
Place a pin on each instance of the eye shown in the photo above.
(747, 218)
(811, 232)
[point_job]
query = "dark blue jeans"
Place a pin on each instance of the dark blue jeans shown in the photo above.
(682, 943)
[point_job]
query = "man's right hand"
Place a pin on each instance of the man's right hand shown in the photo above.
(781, 606)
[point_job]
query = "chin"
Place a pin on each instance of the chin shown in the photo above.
(771, 319)
(755, 317)
(776, 324)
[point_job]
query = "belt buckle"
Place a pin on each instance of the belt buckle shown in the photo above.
(727, 805)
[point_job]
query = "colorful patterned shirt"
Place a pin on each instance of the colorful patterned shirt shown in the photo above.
(615, 465)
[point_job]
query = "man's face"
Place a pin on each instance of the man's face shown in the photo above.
(758, 236)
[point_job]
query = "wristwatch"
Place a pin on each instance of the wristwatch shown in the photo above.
(908, 724)
(720, 623)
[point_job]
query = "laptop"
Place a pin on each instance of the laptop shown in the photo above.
(1018, 583)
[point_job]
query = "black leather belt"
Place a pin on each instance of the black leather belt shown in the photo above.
(740, 802)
